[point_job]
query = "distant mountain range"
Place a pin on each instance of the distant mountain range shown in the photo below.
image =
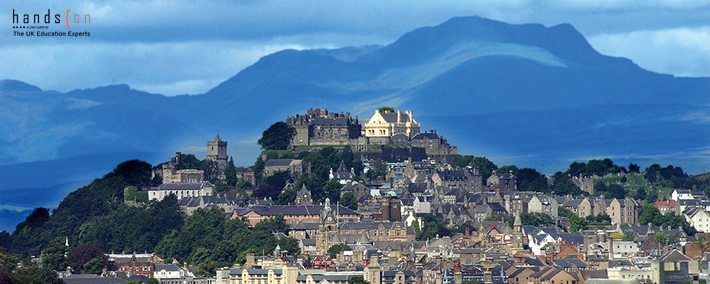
(518, 94)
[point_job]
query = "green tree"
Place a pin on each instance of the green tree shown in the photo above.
(220, 187)
(378, 170)
(53, 256)
(230, 173)
(334, 250)
(289, 245)
(385, 109)
(508, 168)
(417, 230)
(152, 281)
(93, 266)
(34, 274)
(277, 136)
(641, 193)
(484, 165)
(470, 282)
(190, 161)
(360, 280)
(634, 168)
(662, 238)
(287, 197)
(278, 179)
(348, 200)
(629, 235)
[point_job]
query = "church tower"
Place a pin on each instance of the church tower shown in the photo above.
(217, 152)
(327, 227)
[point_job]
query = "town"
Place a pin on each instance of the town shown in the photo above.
(336, 199)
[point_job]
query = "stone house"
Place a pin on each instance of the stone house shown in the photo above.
(433, 144)
(502, 181)
(294, 166)
(541, 203)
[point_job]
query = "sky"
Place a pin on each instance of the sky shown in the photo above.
(188, 47)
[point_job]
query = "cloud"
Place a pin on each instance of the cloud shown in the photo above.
(626, 5)
(167, 68)
(681, 52)
(189, 46)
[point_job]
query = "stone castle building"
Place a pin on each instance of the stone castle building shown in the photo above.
(172, 173)
(320, 127)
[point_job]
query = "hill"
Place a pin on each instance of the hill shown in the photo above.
(524, 94)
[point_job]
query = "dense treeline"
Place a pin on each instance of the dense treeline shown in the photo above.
(318, 181)
(209, 241)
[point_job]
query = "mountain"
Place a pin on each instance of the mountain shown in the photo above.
(525, 94)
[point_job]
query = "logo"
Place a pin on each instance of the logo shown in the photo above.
(38, 23)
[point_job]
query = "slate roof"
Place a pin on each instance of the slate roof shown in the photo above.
(370, 225)
(183, 186)
(208, 200)
(569, 262)
(521, 269)
(301, 226)
(417, 187)
(274, 210)
(341, 121)
(674, 255)
(166, 267)
(317, 278)
(254, 271)
(427, 135)
(91, 279)
(278, 162)
(392, 117)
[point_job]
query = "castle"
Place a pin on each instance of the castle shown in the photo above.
(320, 127)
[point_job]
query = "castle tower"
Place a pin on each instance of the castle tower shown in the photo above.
(217, 151)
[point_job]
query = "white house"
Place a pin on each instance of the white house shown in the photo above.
(698, 218)
(624, 249)
(168, 271)
(681, 194)
(180, 190)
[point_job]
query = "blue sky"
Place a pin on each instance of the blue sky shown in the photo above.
(188, 47)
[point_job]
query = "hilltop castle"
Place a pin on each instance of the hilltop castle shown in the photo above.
(320, 127)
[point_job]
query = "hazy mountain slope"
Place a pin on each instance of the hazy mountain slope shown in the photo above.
(523, 94)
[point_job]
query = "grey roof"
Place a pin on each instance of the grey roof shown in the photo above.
(253, 271)
(207, 200)
(521, 269)
(496, 207)
(568, 262)
(392, 117)
(166, 267)
(309, 242)
(274, 210)
(91, 279)
(370, 225)
(340, 121)
(426, 135)
(331, 278)
(183, 186)
(417, 187)
(278, 162)
(300, 226)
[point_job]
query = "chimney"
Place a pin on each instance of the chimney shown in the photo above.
(611, 248)
(399, 116)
